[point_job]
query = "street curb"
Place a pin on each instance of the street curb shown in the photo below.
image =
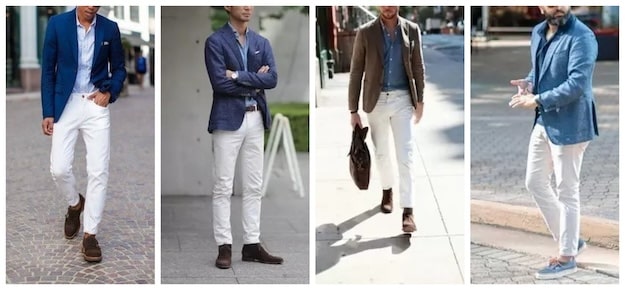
(596, 231)
(614, 274)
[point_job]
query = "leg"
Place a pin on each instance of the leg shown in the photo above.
(96, 134)
(62, 152)
(403, 135)
(252, 176)
(379, 121)
(537, 179)
(226, 145)
(567, 161)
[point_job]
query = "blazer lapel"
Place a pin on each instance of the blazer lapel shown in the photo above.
(73, 36)
(233, 43)
(555, 43)
(251, 50)
(377, 40)
(99, 36)
(405, 48)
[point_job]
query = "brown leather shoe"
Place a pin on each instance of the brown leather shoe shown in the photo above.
(224, 260)
(256, 253)
(387, 201)
(408, 225)
(72, 219)
(90, 249)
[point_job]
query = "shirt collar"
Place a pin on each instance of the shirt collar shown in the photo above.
(92, 22)
(561, 29)
(384, 27)
(247, 29)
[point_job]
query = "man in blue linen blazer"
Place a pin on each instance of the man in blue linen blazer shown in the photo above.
(559, 89)
(60, 61)
(221, 54)
(240, 67)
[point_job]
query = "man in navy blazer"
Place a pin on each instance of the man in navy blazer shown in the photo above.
(240, 67)
(559, 89)
(82, 72)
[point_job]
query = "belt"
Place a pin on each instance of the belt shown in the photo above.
(251, 108)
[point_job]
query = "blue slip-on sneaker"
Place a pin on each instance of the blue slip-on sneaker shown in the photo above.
(557, 269)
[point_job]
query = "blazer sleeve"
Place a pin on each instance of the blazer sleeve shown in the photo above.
(48, 69)
(356, 70)
(216, 68)
(418, 65)
(267, 80)
(118, 66)
(582, 56)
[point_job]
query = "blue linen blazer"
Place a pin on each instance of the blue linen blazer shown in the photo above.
(221, 53)
(564, 83)
(59, 63)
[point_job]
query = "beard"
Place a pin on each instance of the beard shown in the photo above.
(554, 20)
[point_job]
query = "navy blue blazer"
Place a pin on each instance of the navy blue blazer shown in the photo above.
(221, 53)
(564, 83)
(59, 63)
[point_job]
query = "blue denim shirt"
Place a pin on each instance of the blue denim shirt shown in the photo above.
(395, 77)
(249, 101)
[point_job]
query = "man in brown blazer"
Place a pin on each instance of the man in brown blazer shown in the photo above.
(387, 51)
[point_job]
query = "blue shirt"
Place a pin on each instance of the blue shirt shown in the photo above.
(243, 48)
(86, 44)
(395, 77)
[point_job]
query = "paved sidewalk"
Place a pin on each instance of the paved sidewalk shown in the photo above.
(355, 243)
(499, 135)
(490, 265)
(188, 249)
(36, 250)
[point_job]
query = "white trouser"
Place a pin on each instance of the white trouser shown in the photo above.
(93, 121)
(560, 209)
(248, 141)
(394, 111)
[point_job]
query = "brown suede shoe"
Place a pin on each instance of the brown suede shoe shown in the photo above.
(408, 225)
(387, 201)
(90, 249)
(224, 260)
(256, 253)
(72, 219)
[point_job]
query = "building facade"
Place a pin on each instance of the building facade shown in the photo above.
(26, 28)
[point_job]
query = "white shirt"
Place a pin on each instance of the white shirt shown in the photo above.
(86, 44)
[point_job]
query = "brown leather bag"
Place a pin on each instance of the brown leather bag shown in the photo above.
(359, 158)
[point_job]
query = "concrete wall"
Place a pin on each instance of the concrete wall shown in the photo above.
(186, 97)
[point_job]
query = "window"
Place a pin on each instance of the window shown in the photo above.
(119, 12)
(134, 13)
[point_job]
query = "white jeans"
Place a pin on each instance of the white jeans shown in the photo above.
(248, 141)
(394, 111)
(93, 121)
(560, 209)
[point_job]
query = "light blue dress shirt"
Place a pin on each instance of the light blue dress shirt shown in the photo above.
(86, 44)
(243, 48)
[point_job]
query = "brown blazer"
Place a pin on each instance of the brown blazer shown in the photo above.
(367, 59)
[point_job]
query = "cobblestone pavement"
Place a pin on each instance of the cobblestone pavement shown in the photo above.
(496, 266)
(500, 135)
(36, 250)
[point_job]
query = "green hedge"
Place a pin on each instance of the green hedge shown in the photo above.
(298, 118)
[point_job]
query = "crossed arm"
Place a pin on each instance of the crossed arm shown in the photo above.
(247, 83)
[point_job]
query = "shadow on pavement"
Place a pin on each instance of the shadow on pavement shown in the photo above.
(328, 256)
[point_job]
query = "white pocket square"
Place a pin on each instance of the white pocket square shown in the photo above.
(105, 43)
(257, 52)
